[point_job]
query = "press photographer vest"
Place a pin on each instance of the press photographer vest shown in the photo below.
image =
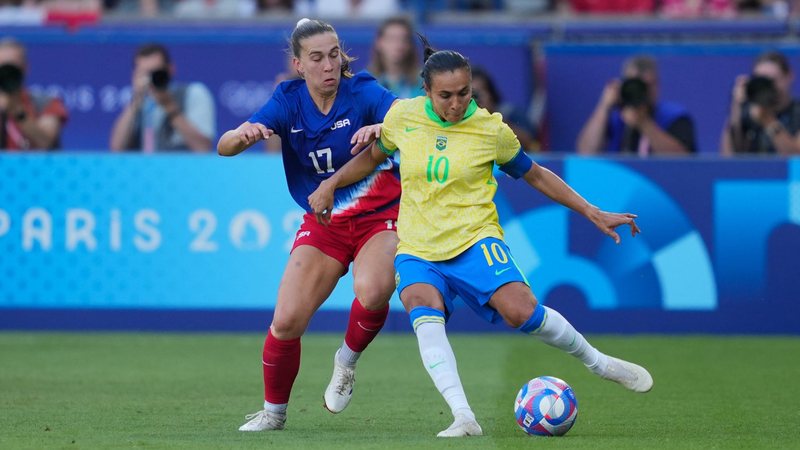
(164, 134)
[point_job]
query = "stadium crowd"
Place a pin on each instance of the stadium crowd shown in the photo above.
(630, 117)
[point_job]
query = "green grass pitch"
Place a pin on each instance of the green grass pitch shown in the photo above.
(109, 390)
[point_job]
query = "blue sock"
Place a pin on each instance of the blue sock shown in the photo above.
(425, 314)
(535, 321)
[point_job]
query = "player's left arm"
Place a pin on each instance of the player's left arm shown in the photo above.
(554, 187)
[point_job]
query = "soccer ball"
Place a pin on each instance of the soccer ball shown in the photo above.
(546, 406)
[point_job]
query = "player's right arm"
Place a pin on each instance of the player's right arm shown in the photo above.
(238, 140)
(270, 119)
(363, 164)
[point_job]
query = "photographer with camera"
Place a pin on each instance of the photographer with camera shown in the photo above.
(163, 116)
(629, 118)
(763, 117)
(28, 121)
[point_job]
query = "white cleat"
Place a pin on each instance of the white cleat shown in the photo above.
(632, 376)
(340, 389)
(462, 426)
(263, 421)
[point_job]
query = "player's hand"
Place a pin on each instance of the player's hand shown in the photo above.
(321, 202)
(607, 223)
(365, 136)
(250, 133)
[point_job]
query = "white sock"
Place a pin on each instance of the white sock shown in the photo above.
(347, 356)
(276, 408)
(440, 362)
(559, 333)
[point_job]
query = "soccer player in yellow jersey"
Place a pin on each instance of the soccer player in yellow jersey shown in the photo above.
(451, 242)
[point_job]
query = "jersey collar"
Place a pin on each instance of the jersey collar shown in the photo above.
(435, 117)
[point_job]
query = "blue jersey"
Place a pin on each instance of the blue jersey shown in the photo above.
(315, 145)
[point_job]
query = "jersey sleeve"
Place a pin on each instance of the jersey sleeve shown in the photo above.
(391, 124)
(510, 157)
(507, 144)
(274, 114)
(376, 99)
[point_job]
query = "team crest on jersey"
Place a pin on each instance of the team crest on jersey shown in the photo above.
(441, 142)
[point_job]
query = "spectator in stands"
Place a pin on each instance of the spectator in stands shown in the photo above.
(612, 6)
(763, 116)
(486, 95)
(394, 61)
(274, 5)
(145, 8)
(28, 120)
(692, 9)
(778, 9)
(347, 9)
(163, 115)
(630, 118)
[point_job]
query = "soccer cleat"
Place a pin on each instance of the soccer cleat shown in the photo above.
(462, 426)
(632, 376)
(263, 421)
(340, 389)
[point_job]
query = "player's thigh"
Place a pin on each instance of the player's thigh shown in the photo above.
(373, 270)
(422, 294)
(515, 302)
(308, 280)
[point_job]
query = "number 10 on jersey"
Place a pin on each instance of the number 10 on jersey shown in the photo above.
(438, 169)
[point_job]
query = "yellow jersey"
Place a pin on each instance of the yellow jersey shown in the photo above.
(446, 176)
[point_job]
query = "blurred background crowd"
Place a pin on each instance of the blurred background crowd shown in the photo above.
(32, 9)
(617, 87)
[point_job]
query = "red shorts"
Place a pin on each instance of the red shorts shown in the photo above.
(343, 238)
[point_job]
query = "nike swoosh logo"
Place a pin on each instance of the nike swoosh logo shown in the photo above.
(296, 131)
(410, 129)
(435, 364)
(365, 328)
(499, 272)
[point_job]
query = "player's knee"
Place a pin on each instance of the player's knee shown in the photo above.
(517, 315)
(413, 300)
(288, 329)
(515, 320)
(373, 294)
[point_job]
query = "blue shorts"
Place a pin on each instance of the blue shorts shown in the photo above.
(474, 275)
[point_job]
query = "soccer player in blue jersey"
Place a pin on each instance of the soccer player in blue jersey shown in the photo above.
(317, 118)
(451, 242)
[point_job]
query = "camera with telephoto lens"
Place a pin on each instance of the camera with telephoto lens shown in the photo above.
(160, 79)
(10, 78)
(633, 92)
(761, 91)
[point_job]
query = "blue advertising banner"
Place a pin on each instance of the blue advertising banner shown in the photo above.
(121, 239)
